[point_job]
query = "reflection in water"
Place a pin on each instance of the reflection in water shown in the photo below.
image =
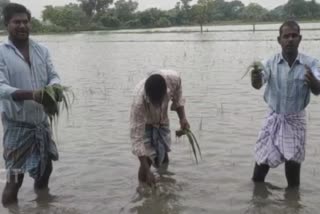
(264, 200)
(45, 203)
(292, 200)
(44, 198)
(14, 209)
(163, 199)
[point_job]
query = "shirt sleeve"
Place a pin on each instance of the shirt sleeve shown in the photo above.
(315, 69)
(266, 71)
(137, 127)
(52, 74)
(177, 97)
(6, 90)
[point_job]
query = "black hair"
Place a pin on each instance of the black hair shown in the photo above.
(13, 8)
(289, 23)
(155, 88)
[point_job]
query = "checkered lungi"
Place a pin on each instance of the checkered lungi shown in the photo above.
(27, 147)
(282, 138)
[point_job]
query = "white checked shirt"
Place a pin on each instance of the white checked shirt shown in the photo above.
(143, 112)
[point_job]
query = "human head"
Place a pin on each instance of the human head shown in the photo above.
(289, 37)
(155, 88)
(17, 20)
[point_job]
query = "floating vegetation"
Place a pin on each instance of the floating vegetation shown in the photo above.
(192, 140)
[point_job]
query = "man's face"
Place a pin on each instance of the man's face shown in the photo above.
(19, 27)
(289, 40)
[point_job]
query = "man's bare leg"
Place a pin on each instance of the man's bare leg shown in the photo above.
(43, 182)
(11, 189)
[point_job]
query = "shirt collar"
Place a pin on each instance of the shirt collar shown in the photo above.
(299, 59)
(9, 43)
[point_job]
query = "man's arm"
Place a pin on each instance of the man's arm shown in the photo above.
(178, 104)
(312, 77)
(53, 76)
(21, 95)
(182, 118)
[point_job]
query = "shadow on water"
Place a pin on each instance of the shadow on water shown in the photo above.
(265, 200)
(163, 199)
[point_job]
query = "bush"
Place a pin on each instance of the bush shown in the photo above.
(163, 22)
(110, 21)
(133, 23)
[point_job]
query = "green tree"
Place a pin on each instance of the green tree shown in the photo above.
(71, 16)
(200, 13)
(163, 22)
(233, 9)
(150, 17)
(124, 9)
(254, 12)
(314, 9)
(216, 10)
(185, 11)
(110, 21)
(36, 25)
(186, 4)
(3, 3)
(175, 15)
(297, 9)
(277, 14)
(91, 7)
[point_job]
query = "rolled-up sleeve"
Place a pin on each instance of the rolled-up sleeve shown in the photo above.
(137, 127)
(52, 74)
(177, 97)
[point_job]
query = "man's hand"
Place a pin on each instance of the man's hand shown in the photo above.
(256, 78)
(58, 92)
(312, 81)
(184, 124)
(38, 96)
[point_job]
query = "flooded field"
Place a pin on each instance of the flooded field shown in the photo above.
(97, 172)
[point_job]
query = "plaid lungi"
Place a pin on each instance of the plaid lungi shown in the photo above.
(27, 147)
(282, 138)
(157, 141)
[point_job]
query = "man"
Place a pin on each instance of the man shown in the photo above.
(25, 68)
(289, 77)
(149, 122)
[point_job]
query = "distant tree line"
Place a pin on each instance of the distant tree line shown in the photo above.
(107, 14)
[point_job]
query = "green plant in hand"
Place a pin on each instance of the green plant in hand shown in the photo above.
(192, 140)
(53, 98)
(256, 68)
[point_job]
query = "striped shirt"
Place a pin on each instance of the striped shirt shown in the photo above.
(286, 90)
(27, 140)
